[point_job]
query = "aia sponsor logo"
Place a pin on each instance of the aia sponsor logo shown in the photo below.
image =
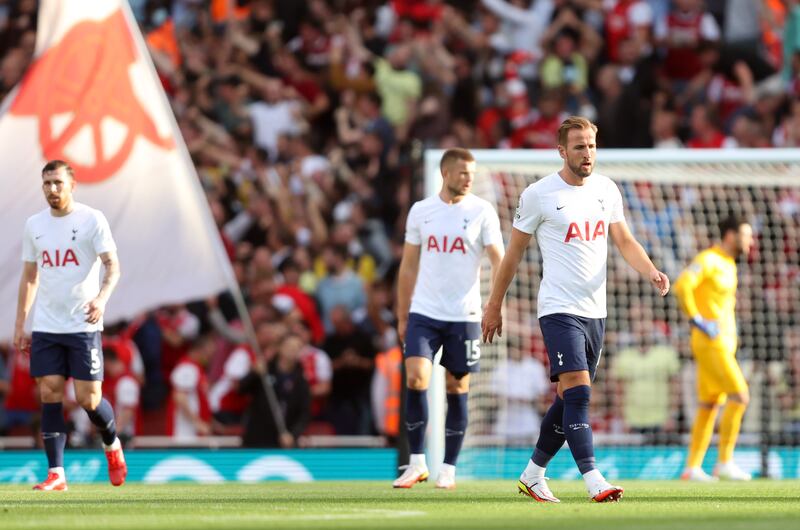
(59, 258)
(81, 92)
(447, 246)
(585, 232)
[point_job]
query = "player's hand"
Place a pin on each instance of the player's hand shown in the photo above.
(95, 310)
(22, 342)
(709, 327)
(491, 323)
(660, 282)
(286, 440)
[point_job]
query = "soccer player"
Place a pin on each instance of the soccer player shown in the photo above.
(439, 305)
(63, 248)
(572, 212)
(706, 291)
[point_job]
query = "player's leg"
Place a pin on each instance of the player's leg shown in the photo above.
(422, 341)
(577, 393)
(86, 367)
(455, 426)
(551, 439)
(460, 356)
(566, 345)
(709, 397)
(732, 380)
(49, 367)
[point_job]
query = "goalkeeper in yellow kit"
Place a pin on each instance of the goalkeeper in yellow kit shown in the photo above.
(706, 291)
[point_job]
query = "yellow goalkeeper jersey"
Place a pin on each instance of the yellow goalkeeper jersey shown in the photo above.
(707, 287)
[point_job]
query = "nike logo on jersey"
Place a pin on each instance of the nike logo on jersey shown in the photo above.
(94, 371)
(37, 237)
(603, 208)
(74, 231)
(426, 221)
(473, 363)
(560, 207)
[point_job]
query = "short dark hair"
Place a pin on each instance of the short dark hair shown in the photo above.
(731, 224)
(456, 153)
(55, 165)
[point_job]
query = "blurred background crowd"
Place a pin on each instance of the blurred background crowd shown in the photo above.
(307, 120)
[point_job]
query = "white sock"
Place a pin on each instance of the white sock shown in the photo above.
(418, 461)
(114, 446)
(533, 471)
(448, 470)
(593, 479)
(57, 470)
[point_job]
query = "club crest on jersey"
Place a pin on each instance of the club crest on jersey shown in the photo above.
(58, 259)
(574, 231)
(443, 245)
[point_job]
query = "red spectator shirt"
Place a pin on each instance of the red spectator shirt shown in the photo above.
(682, 61)
(714, 143)
(22, 392)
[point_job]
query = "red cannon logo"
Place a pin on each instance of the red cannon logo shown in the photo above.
(79, 90)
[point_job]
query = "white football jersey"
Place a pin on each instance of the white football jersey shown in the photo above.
(66, 251)
(452, 238)
(571, 224)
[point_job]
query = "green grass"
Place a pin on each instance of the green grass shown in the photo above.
(479, 505)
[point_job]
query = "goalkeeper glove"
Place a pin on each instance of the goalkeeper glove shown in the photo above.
(709, 327)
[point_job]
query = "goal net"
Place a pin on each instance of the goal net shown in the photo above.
(643, 396)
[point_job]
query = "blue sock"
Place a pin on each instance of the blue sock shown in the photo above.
(103, 419)
(455, 425)
(54, 433)
(551, 435)
(416, 419)
(577, 428)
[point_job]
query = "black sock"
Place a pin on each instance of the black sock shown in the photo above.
(416, 419)
(54, 433)
(551, 435)
(577, 428)
(103, 419)
(455, 425)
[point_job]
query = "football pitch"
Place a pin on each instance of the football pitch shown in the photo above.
(478, 504)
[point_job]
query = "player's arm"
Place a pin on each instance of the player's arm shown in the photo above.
(636, 257)
(685, 287)
(406, 280)
(492, 318)
(96, 307)
(495, 254)
(28, 285)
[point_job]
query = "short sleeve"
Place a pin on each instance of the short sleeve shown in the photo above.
(238, 364)
(529, 212)
(185, 377)
(709, 29)
(490, 231)
(102, 240)
(28, 249)
(127, 392)
(617, 210)
(323, 367)
(413, 235)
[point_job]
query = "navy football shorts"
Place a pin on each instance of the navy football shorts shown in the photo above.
(460, 342)
(573, 343)
(76, 355)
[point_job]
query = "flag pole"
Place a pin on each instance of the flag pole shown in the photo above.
(211, 228)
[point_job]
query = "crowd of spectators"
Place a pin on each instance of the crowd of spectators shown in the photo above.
(306, 120)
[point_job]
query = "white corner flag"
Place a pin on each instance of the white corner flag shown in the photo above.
(91, 97)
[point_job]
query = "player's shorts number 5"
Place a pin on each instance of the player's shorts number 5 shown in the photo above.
(473, 350)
